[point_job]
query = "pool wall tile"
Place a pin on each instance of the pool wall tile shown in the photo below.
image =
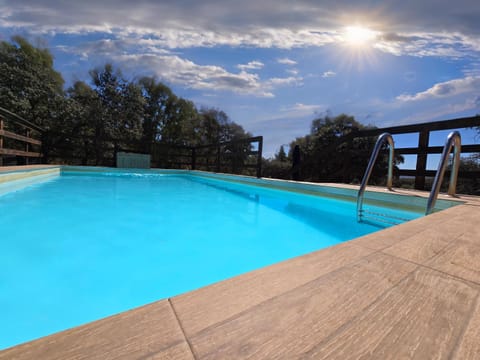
(17, 180)
(8, 176)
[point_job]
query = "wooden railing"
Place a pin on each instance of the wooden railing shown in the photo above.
(423, 149)
(19, 138)
(238, 156)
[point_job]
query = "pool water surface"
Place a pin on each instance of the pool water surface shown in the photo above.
(82, 246)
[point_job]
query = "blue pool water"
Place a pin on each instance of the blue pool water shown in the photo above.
(79, 247)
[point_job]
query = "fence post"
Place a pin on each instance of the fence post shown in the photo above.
(194, 157)
(27, 145)
(218, 159)
(421, 159)
(1, 141)
(347, 160)
(259, 157)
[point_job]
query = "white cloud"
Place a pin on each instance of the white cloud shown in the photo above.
(176, 70)
(305, 109)
(446, 32)
(291, 80)
(328, 74)
(440, 112)
(287, 61)
(449, 45)
(445, 89)
(252, 65)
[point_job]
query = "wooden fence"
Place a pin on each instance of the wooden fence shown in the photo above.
(19, 140)
(423, 149)
(239, 156)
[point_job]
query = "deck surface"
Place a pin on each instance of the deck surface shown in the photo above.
(411, 291)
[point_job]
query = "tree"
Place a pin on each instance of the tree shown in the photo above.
(121, 110)
(281, 155)
(180, 124)
(157, 98)
(31, 88)
(89, 128)
(332, 153)
(90, 123)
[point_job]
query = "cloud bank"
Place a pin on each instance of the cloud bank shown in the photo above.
(445, 89)
(419, 28)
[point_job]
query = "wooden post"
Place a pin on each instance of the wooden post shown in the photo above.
(218, 159)
(421, 160)
(27, 145)
(1, 142)
(194, 157)
(347, 160)
(259, 157)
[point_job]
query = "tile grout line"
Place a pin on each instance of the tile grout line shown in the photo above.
(456, 277)
(181, 329)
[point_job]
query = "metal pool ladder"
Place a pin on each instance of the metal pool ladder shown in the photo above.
(378, 145)
(453, 140)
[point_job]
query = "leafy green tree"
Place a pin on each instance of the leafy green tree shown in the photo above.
(180, 124)
(121, 110)
(281, 155)
(89, 128)
(90, 123)
(29, 85)
(31, 88)
(157, 98)
(332, 153)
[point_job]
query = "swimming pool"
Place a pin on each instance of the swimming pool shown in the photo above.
(88, 244)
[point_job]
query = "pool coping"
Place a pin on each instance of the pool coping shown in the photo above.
(411, 290)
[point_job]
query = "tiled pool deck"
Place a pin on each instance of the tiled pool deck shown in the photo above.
(411, 291)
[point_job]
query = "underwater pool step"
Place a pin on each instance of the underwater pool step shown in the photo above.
(369, 216)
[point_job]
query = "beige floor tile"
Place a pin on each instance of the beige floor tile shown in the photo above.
(461, 258)
(420, 247)
(294, 322)
(422, 318)
(151, 330)
(212, 304)
(469, 346)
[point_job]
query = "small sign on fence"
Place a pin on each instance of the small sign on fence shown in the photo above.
(133, 160)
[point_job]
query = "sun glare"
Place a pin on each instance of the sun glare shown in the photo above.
(358, 36)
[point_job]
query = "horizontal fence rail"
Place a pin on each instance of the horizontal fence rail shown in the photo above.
(18, 139)
(241, 156)
(423, 150)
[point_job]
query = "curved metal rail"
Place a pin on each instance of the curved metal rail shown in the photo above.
(454, 139)
(381, 139)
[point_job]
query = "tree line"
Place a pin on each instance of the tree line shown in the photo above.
(328, 155)
(89, 122)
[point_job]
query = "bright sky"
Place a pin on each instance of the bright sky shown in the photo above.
(275, 65)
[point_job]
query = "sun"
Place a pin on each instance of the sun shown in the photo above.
(358, 36)
(357, 47)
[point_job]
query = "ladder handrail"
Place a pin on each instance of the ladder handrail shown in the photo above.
(376, 150)
(454, 139)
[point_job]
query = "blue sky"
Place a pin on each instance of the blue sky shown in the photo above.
(273, 65)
